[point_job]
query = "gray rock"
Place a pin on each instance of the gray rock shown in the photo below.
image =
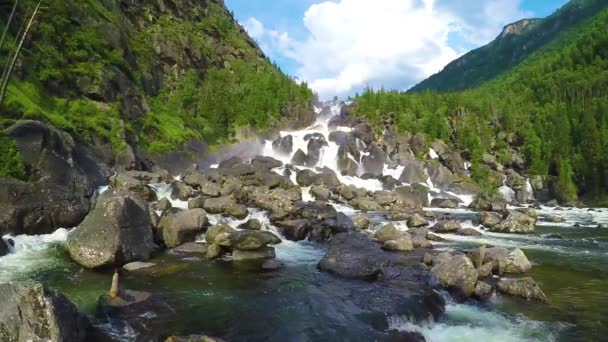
(272, 265)
(300, 158)
(191, 248)
(182, 190)
(249, 255)
(403, 244)
(516, 222)
(468, 232)
(210, 189)
(388, 232)
(522, 287)
(248, 240)
(116, 231)
(294, 230)
(489, 219)
(504, 260)
(444, 203)
(489, 203)
(483, 290)
(366, 204)
(137, 265)
(283, 145)
(237, 211)
(413, 172)
(4, 250)
(361, 221)
(163, 204)
(216, 230)
(320, 193)
(218, 205)
(213, 251)
(458, 275)
(447, 226)
(183, 226)
(252, 224)
(31, 312)
(417, 220)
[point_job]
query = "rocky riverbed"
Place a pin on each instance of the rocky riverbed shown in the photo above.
(325, 234)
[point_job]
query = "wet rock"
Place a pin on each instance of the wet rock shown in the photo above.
(191, 248)
(433, 237)
(468, 232)
(213, 251)
(320, 193)
(272, 265)
(218, 205)
(489, 203)
(447, 226)
(31, 312)
(163, 204)
(489, 219)
(300, 158)
(237, 211)
(230, 162)
(137, 265)
(4, 250)
(366, 204)
(388, 232)
(485, 270)
(464, 188)
(444, 203)
(413, 172)
(346, 165)
(248, 240)
(483, 290)
(417, 220)
(552, 218)
(403, 244)
(504, 260)
(265, 163)
(522, 287)
(517, 223)
(361, 222)
(440, 175)
(314, 151)
(116, 231)
(213, 232)
(252, 224)
(182, 191)
(420, 241)
(412, 197)
(364, 132)
(305, 177)
(123, 181)
(210, 189)
(283, 145)
(374, 162)
(249, 255)
(528, 211)
(458, 275)
(454, 162)
(183, 227)
(294, 230)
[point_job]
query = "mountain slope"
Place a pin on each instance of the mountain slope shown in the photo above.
(546, 118)
(145, 76)
(516, 42)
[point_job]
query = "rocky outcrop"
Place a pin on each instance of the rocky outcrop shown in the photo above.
(64, 175)
(116, 231)
(31, 312)
(516, 222)
(182, 227)
(457, 274)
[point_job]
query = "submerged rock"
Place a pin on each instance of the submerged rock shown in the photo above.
(191, 248)
(116, 231)
(250, 255)
(522, 287)
(31, 312)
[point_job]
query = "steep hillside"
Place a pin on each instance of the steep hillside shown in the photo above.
(516, 42)
(131, 77)
(546, 118)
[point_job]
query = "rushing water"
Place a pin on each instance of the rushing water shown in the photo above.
(299, 303)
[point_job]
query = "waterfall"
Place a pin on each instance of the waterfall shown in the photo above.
(507, 193)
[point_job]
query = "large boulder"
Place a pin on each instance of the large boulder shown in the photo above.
(413, 172)
(294, 230)
(373, 163)
(440, 176)
(283, 145)
(31, 312)
(218, 205)
(3, 248)
(403, 244)
(516, 222)
(447, 226)
(503, 260)
(116, 231)
(485, 202)
(124, 181)
(458, 275)
(489, 219)
(522, 287)
(388, 232)
(64, 176)
(346, 165)
(412, 197)
(444, 203)
(366, 204)
(183, 227)
(248, 240)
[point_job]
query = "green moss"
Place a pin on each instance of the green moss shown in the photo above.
(11, 161)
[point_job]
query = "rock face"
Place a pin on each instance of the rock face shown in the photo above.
(183, 226)
(31, 312)
(522, 287)
(116, 231)
(65, 175)
(457, 274)
(516, 222)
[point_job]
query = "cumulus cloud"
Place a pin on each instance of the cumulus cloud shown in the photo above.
(392, 43)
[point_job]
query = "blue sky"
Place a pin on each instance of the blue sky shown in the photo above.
(341, 46)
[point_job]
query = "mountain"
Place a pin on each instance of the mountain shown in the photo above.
(130, 78)
(545, 118)
(515, 43)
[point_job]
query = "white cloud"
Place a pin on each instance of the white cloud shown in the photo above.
(395, 43)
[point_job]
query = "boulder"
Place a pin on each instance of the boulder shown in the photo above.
(265, 163)
(373, 163)
(294, 230)
(191, 248)
(210, 189)
(489, 219)
(31, 312)
(420, 241)
(305, 177)
(388, 232)
(252, 224)
(517, 223)
(464, 188)
(403, 244)
(483, 290)
(346, 165)
(213, 232)
(447, 226)
(182, 191)
(300, 158)
(4, 250)
(522, 287)
(353, 256)
(468, 232)
(416, 221)
(162, 205)
(251, 255)
(237, 211)
(504, 260)
(361, 222)
(458, 275)
(320, 193)
(413, 172)
(366, 204)
(412, 197)
(489, 203)
(116, 231)
(137, 265)
(218, 205)
(444, 203)
(183, 227)
(248, 240)
(440, 176)
(283, 145)
(193, 338)
(213, 251)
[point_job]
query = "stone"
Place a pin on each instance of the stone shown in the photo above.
(163, 204)
(252, 224)
(294, 230)
(196, 203)
(191, 248)
(4, 250)
(361, 222)
(183, 226)
(413, 172)
(458, 275)
(417, 220)
(272, 265)
(248, 240)
(182, 191)
(31, 312)
(483, 290)
(388, 232)
(218, 205)
(427, 259)
(213, 251)
(366, 205)
(468, 232)
(447, 226)
(283, 145)
(117, 231)
(489, 203)
(237, 211)
(516, 223)
(320, 193)
(210, 189)
(249, 255)
(403, 244)
(485, 270)
(522, 287)
(444, 203)
(137, 265)
(216, 230)
(506, 261)
(489, 219)
(433, 237)
(299, 158)
(421, 242)
(193, 338)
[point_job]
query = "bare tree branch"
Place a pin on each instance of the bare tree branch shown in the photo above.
(8, 23)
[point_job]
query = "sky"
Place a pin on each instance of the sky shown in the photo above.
(340, 47)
